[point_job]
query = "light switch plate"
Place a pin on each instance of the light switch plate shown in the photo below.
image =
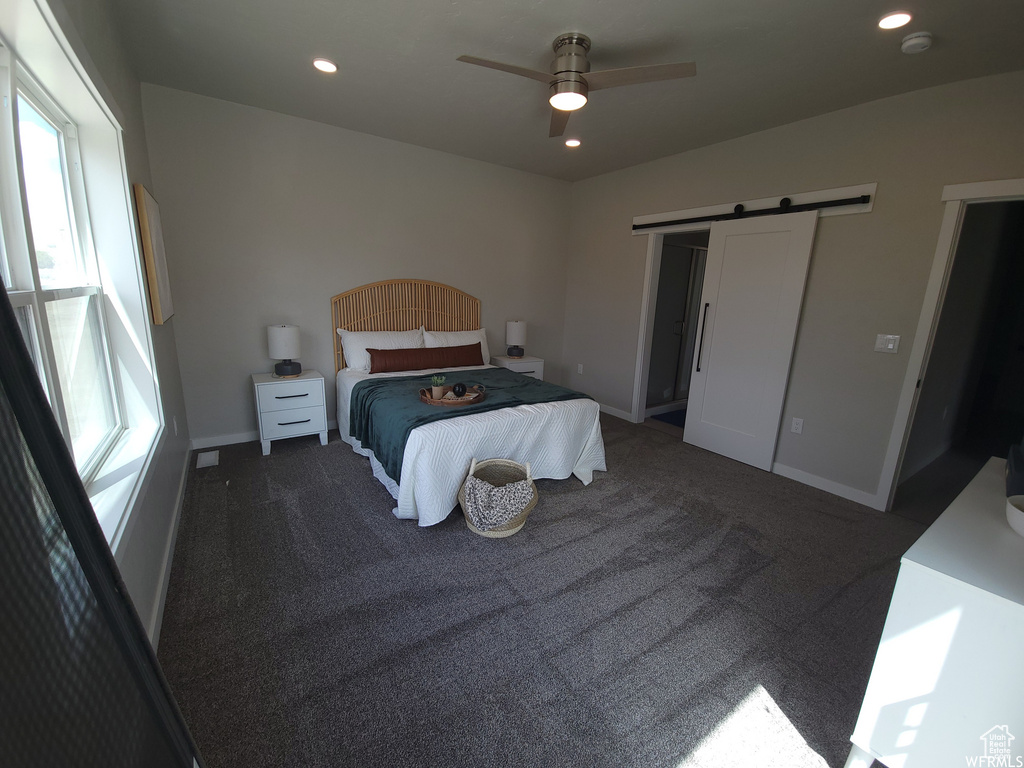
(887, 343)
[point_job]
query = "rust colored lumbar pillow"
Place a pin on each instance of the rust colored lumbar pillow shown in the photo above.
(418, 359)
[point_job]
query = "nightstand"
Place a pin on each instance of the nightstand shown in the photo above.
(290, 407)
(529, 366)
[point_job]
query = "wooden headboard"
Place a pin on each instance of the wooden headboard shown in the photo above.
(401, 305)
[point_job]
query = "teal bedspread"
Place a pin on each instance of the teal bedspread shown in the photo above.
(384, 411)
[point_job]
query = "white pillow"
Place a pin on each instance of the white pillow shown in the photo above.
(458, 339)
(355, 343)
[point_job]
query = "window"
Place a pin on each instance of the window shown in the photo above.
(69, 259)
(61, 312)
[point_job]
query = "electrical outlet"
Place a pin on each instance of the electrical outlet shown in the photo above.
(797, 427)
(579, 368)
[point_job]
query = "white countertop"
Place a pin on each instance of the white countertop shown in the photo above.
(972, 542)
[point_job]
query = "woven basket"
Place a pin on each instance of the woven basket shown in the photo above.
(500, 472)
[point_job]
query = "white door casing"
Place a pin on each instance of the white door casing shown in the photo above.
(749, 312)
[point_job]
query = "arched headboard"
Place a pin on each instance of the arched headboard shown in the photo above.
(401, 305)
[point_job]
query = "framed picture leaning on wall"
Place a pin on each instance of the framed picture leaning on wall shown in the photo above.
(153, 254)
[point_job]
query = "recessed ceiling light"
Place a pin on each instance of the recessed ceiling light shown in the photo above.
(572, 142)
(894, 20)
(325, 65)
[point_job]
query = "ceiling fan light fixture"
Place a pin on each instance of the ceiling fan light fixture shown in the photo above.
(568, 95)
(894, 20)
(572, 143)
(325, 65)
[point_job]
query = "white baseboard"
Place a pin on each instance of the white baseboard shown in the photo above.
(202, 443)
(657, 410)
(861, 497)
(625, 415)
(157, 619)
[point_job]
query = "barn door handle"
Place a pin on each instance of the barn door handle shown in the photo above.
(703, 327)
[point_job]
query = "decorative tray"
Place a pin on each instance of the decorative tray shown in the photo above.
(473, 394)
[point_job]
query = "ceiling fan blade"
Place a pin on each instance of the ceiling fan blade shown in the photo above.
(612, 78)
(559, 119)
(533, 74)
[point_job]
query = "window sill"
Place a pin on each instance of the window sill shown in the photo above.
(120, 478)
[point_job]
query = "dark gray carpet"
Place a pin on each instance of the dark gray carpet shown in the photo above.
(684, 610)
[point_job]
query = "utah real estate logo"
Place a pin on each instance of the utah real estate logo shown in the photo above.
(997, 750)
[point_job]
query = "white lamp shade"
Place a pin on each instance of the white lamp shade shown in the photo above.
(515, 333)
(283, 342)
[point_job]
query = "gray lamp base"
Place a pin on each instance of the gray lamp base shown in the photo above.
(288, 368)
(514, 352)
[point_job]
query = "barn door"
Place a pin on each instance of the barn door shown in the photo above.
(750, 306)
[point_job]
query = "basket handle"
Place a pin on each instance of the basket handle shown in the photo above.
(472, 466)
(529, 476)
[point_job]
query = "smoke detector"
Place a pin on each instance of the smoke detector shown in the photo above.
(917, 42)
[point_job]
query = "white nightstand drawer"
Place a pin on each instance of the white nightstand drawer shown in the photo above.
(527, 365)
(292, 422)
(285, 395)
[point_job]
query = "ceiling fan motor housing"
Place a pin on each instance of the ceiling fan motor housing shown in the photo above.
(570, 64)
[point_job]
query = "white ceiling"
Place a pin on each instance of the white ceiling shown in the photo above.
(760, 63)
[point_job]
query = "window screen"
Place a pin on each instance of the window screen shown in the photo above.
(79, 684)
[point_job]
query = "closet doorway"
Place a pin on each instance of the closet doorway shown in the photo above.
(674, 333)
(742, 334)
(749, 313)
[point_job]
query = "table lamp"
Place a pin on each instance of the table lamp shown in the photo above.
(515, 337)
(283, 343)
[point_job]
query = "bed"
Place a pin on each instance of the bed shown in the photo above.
(558, 439)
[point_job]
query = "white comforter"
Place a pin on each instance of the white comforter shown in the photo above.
(557, 439)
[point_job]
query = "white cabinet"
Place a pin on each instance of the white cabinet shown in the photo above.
(290, 407)
(947, 682)
(529, 366)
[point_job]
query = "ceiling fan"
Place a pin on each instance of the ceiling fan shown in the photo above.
(570, 79)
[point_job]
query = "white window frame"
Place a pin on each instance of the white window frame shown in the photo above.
(37, 56)
(33, 296)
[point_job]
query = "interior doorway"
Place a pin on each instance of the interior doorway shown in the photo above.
(969, 405)
(674, 333)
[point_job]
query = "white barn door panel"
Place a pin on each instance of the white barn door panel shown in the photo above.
(750, 307)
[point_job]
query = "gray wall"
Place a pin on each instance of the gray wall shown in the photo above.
(144, 549)
(267, 216)
(868, 272)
